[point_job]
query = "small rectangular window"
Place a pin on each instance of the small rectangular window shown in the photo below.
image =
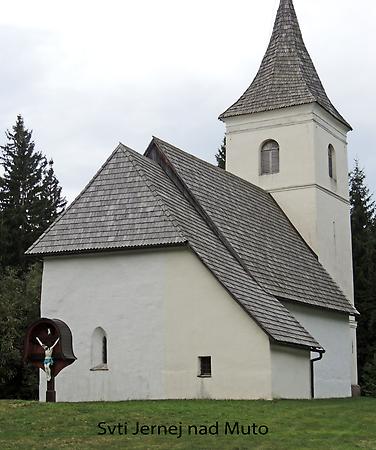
(205, 366)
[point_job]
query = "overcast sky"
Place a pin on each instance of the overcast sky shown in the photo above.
(88, 74)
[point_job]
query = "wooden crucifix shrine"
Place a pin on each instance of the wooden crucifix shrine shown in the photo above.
(48, 346)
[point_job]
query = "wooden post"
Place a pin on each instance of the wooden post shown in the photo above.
(51, 393)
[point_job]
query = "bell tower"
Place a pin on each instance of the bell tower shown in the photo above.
(284, 135)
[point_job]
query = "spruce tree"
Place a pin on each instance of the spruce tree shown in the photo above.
(30, 196)
(221, 155)
(364, 265)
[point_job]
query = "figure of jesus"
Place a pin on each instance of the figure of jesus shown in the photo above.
(48, 361)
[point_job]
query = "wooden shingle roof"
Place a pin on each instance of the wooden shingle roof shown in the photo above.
(287, 76)
(115, 210)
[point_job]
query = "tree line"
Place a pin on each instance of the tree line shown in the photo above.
(30, 200)
(363, 228)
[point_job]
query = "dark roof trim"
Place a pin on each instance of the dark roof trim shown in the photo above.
(299, 346)
(111, 249)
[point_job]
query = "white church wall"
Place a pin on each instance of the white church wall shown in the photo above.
(160, 310)
(291, 372)
(332, 375)
(210, 323)
(123, 295)
(334, 243)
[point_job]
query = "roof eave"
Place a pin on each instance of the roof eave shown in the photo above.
(227, 114)
(108, 249)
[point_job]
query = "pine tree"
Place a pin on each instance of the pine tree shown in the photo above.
(30, 196)
(221, 155)
(364, 264)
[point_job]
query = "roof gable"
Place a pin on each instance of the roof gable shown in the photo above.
(117, 209)
(287, 76)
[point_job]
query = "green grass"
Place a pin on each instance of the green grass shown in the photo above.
(320, 424)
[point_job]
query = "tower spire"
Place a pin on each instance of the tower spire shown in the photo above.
(287, 76)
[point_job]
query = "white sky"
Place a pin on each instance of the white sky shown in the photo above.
(88, 74)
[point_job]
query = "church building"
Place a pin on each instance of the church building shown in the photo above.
(181, 280)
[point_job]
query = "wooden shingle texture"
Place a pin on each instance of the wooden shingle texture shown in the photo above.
(287, 76)
(115, 210)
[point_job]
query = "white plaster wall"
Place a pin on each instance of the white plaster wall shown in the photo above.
(161, 309)
(291, 373)
(202, 319)
(124, 296)
(334, 241)
(332, 375)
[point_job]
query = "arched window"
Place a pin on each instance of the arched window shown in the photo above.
(269, 157)
(99, 350)
(332, 162)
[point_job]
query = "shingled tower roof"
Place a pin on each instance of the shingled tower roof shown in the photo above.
(287, 76)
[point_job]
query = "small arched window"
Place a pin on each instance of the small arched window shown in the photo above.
(269, 157)
(104, 350)
(99, 350)
(332, 162)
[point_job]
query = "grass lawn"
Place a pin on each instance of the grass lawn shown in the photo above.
(320, 424)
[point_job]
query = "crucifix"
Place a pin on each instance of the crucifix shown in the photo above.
(48, 346)
(47, 363)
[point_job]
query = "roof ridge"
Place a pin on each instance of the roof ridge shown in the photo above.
(97, 173)
(169, 216)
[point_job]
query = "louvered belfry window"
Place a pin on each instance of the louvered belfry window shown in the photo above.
(270, 157)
